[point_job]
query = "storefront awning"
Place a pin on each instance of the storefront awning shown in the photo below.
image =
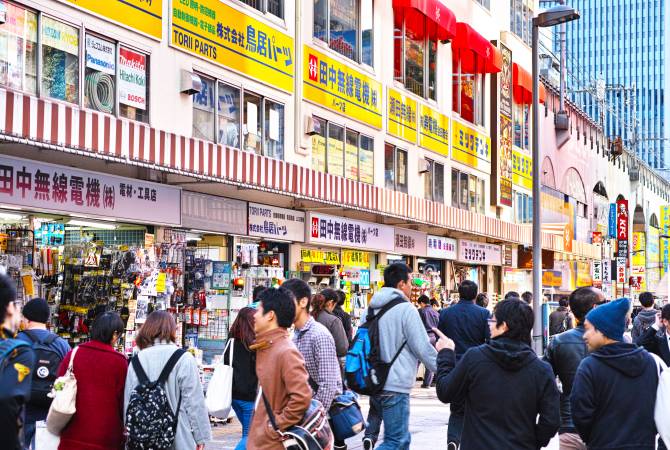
(522, 82)
(443, 19)
(475, 52)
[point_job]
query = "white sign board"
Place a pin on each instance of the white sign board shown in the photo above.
(621, 270)
(100, 55)
(348, 233)
(479, 253)
(271, 222)
(49, 187)
(132, 78)
(442, 247)
(211, 213)
(597, 271)
(410, 242)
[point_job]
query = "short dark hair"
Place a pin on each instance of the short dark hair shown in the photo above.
(395, 273)
(299, 288)
(518, 315)
(280, 300)
(7, 295)
(342, 297)
(482, 300)
(434, 302)
(105, 325)
(665, 312)
(424, 300)
(467, 290)
(331, 295)
(563, 301)
(512, 294)
(647, 299)
(256, 292)
(527, 297)
(582, 300)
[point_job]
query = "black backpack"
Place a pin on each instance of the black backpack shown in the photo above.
(47, 361)
(150, 422)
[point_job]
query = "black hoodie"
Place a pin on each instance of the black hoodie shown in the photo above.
(505, 387)
(613, 398)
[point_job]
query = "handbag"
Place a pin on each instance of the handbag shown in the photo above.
(219, 398)
(44, 439)
(346, 417)
(662, 408)
(64, 394)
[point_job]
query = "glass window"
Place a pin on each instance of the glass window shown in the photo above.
(468, 91)
(203, 110)
(347, 27)
(395, 168)
(274, 129)
(473, 192)
(100, 74)
(319, 146)
(18, 49)
(133, 85)
(274, 7)
(389, 166)
(454, 188)
(434, 181)
(341, 151)
(414, 52)
(252, 125)
(401, 170)
(428, 180)
(351, 155)
(482, 196)
(464, 190)
(439, 182)
(228, 111)
(366, 160)
(367, 37)
(60, 60)
(415, 40)
(344, 17)
(335, 152)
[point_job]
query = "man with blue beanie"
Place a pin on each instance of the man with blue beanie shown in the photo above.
(614, 391)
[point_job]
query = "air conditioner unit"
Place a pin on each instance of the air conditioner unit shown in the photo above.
(424, 166)
(313, 126)
(190, 83)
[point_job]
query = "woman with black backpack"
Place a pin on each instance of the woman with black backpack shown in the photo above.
(164, 404)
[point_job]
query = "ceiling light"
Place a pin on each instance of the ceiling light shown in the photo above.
(11, 216)
(99, 225)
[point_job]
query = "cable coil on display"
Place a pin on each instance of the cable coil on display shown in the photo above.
(100, 91)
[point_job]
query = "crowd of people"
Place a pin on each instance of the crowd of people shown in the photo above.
(581, 388)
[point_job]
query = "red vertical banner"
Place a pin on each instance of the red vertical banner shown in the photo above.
(622, 218)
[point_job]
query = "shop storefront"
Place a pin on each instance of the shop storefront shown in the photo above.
(441, 252)
(474, 259)
(412, 246)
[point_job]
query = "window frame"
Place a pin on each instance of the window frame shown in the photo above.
(479, 114)
(265, 10)
(394, 185)
(38, 50)
(525, 121)
(436, 194)
(359, 33)
(475, 201)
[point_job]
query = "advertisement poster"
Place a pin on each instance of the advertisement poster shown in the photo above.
(100, 55)
(132, 78)
(505, 133)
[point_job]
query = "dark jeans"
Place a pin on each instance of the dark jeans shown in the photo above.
(393, 409)
(456, 421)
(244, 410)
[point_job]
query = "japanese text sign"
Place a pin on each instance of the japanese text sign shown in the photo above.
(652, 253)
(522, 169)
(607, 271)
(319, 256)
(665, 242)
(639, 257)
(353, 258)
(470, 147)
(145, 16)
(222, 34)
(479, 253)
(611, 222)
(278, 223)
(597, 273)
(401, 118)
(622, 220)
(410, 242)
(60, 36)
(505, 161)
(621, 270)
(433, 130)
(442, 247)
(330, 83)
(63, 189)
(345, 232)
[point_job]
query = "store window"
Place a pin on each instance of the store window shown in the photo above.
(274, 7)
(521, 114)
(342, 151)
(468, 91)
(347, 27)
(434, 181)
(203, 110)
(60, 60)
(521, 17)
(133, 84)
(395, 168)
(468, 192)
(415, 52)
(100, 74)
(523, 208)
(18, 49)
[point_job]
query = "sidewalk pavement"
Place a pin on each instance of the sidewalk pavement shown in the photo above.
(428, 425)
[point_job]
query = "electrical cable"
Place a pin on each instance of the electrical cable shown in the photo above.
(100, 91)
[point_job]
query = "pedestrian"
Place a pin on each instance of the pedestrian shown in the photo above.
(317, 347)
(467, 325)
(50, 349)
(17, 362)
(614, 391)
(512, 294)
(321, 308)
(245, 382)
(435, 304)
(401, 334)
(510, 396)
(657, 337)
(564, 352)
(282, 376)
(646, 317)
(561, 319)
(101, 374)
(527, 297)
(482, 300)
(344, 316)
(430, 319)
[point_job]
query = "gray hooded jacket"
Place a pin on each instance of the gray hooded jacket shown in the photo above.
(402, 323)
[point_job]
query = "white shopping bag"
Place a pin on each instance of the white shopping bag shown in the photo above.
(44, 440)
(219, 397)
(662, 409)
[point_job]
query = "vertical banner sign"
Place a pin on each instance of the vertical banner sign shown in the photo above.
(145, 16)
(504, 149)
(606, 271)
(664, 241)
(401, 118)
(622, 228)
(597, 273)
(612, 221)
(132, 78)
(621, 270)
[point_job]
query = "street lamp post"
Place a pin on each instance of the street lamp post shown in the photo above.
(549, 18)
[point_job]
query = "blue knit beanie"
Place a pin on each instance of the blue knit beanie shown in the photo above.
(610, 318)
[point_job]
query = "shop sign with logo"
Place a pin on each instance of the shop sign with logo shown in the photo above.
(353, 258)
(319, 256)
(217, 32)
(597, 273)
(330, 83)
(621, 270)
(49, 187)
(552, 278)
(522, 169)
(433, 130)
(479, 253)
(100, 55)
(211, 213)
(607, 271)
(442, 247)
(145, 16)
(622, 227)
(132, 78)
(60, 36)
(402, 112)
(410, 242)
(356, 276)
(345, 232)
(470, 147)
(271, 222)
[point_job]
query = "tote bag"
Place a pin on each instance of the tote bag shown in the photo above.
(662, 408)
(44, 440)
(64, 394)
(219, 397)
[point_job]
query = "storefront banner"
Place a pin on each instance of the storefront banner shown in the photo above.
(470, 147)
(621, 270)
(552, 278)
(345, 232)
(100, 55)
(354, 258)
(132, 78)
(401, 119)
(217, 32)
(612, 221)
(343, 89)
(606, 270)
(622, 220)
(410, 242)
(522, 169)
(204, 212)
(145, 16)
(503, 151)
(319, 257)
(271, 222)
(665, 242)
(433, 130)
(653, 254)
(479, 253)
(508, 255)
(597, 273)
(48, 187)
(60, 36)
(505, 161)
(440, 247)
(639, 257)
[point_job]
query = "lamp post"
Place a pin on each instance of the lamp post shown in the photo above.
(549, 18)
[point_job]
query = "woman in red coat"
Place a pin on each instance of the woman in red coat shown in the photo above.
(101, 375)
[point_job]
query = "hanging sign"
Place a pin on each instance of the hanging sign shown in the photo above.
(132, 78)
(611, 222)
(401, 119)
(597, 273)
(479, 253)
(442, 247)
(410, 242)
(663, 241)
(622, 220)
(433, 130)
(353, 258)
(272, 222)
(100, 55)
(621, 270)
(522, 169)
(606, 271)
(345, 232)
(145, 16)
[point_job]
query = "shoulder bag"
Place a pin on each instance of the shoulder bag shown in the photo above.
(64, 394)
(219, 398)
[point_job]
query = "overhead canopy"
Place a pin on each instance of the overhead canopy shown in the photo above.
(442, 22)
(522, 82)
(474, 51)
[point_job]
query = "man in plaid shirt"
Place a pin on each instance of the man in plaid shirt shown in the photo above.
(317, 346)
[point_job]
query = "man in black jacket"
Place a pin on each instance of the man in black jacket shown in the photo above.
(504, 385)
(564, 353)
(657, 337)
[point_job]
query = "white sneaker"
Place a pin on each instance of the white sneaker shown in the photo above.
(367, 444)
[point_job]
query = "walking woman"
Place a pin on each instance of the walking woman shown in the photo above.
(156, 341)
(101, 373)
(245, 381)
(322, 306)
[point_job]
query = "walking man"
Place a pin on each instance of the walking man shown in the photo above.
(560, 320)
(657, 337)
(646, 317)
(430, 319)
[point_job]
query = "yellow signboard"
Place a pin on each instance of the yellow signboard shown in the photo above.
(665, 242)
(217, 32)
(145, 16)
(319, 257)
(470, 147)
(352, 258)
(638, 257)
(522, 169)
(401, 120)
(341, 88)
(433, 130)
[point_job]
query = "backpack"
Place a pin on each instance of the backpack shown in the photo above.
(150, 422)
(7, 347)
(47, 361)
(559, 327)
(364, 369)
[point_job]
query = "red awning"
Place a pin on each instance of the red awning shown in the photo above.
(476, 53)
(522, 82)
(443, 19)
